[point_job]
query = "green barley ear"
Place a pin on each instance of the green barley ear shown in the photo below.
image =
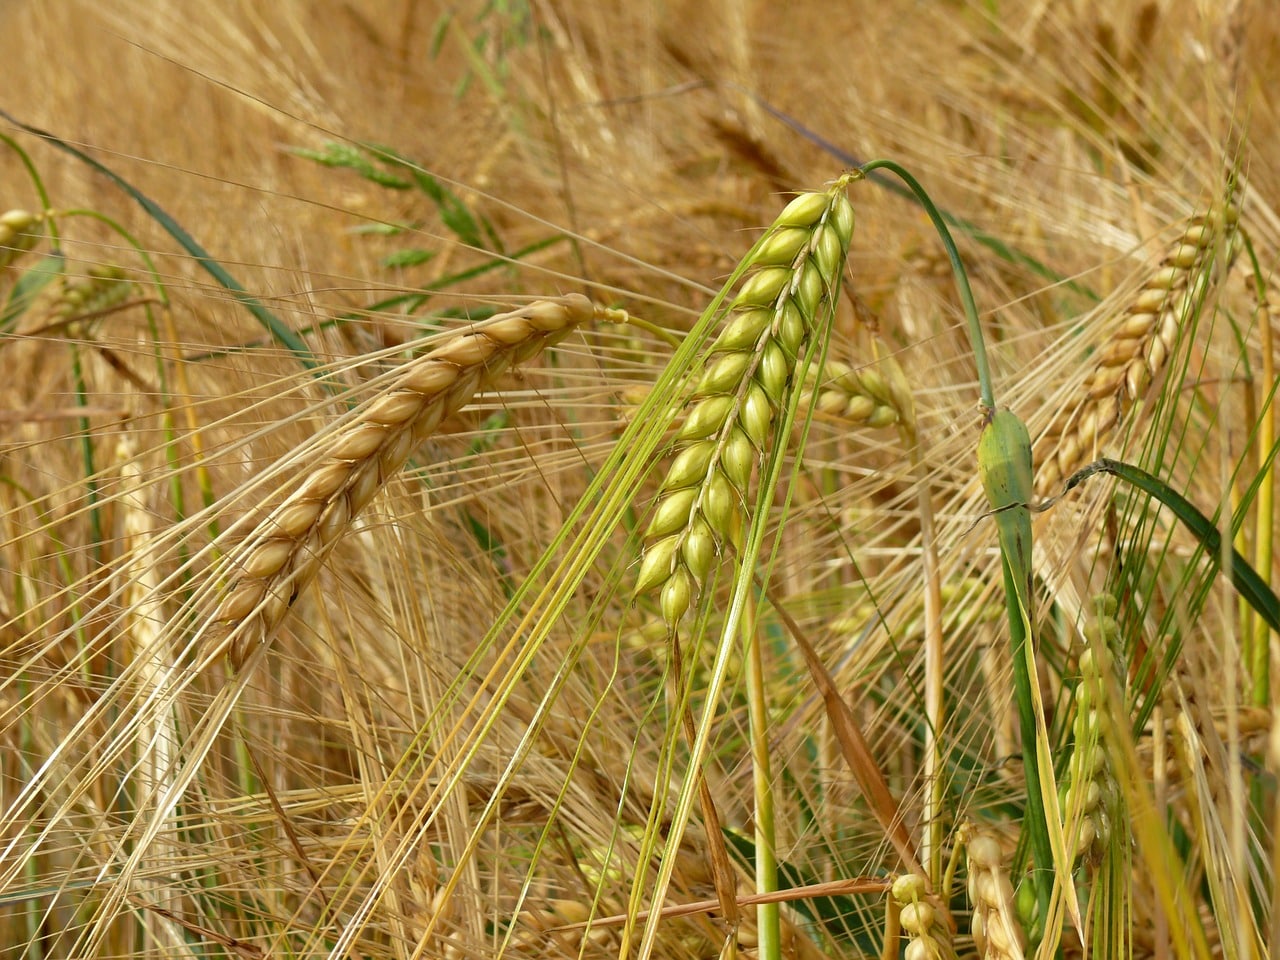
(104, 286)
(791, 278)
(1091, 788)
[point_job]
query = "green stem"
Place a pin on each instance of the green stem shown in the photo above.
(957, 267)
(769, 932)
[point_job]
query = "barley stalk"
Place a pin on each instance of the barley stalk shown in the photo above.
(794, 273)
(287, 546)
(1140, 346)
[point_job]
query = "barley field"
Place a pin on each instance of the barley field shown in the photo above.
(680, 480)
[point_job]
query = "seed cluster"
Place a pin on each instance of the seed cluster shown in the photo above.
(928, 933)
(729, 420)
(860, 396)
(1128, 364)
(287, 547)
(1090, 781)
(996, 932)
(104, 286)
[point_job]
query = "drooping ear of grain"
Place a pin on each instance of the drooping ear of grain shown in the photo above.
(1140, 345)
(729, 420)
(286, 548)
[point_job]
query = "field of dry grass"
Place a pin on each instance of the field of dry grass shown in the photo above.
(324, 493)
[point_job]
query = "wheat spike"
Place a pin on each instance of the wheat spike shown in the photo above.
(795, 271)
(286, 548)
(1131, 360)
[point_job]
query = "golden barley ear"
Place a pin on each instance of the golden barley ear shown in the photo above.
(795, 272)
(286, 548)
(1140, 345)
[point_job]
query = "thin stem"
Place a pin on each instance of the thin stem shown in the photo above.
(770, 938)
(976, 341)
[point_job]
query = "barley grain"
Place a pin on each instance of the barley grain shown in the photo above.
(781, 305)
(1139, 347)
(16, 236)
(287, 546)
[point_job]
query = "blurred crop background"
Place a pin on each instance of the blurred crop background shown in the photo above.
(375, 173)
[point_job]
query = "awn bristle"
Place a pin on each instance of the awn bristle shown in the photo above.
(286, 548)
(1131, 360)
(795, 273)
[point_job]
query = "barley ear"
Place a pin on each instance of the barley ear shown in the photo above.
(927, 928)
(791, 279)
(997, 934)
(286, 548)
(1140, 345)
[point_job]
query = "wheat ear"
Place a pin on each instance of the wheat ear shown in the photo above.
(1137, 351)
(286, 548)
(794, 274)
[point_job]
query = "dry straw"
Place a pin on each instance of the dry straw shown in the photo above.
(729, 420)
(286, 547)
(1130, 361)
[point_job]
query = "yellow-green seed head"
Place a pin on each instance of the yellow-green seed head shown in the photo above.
(676, 596)
(673, 512)
(761, 289)
(744, 330)
(804, 211)
(706, 418)
(725, 373)
(657, 564)
(738, 458)
(782, 245)
(690, 465)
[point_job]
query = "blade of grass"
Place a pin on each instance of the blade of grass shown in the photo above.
(1243, 577)
(278, 329)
